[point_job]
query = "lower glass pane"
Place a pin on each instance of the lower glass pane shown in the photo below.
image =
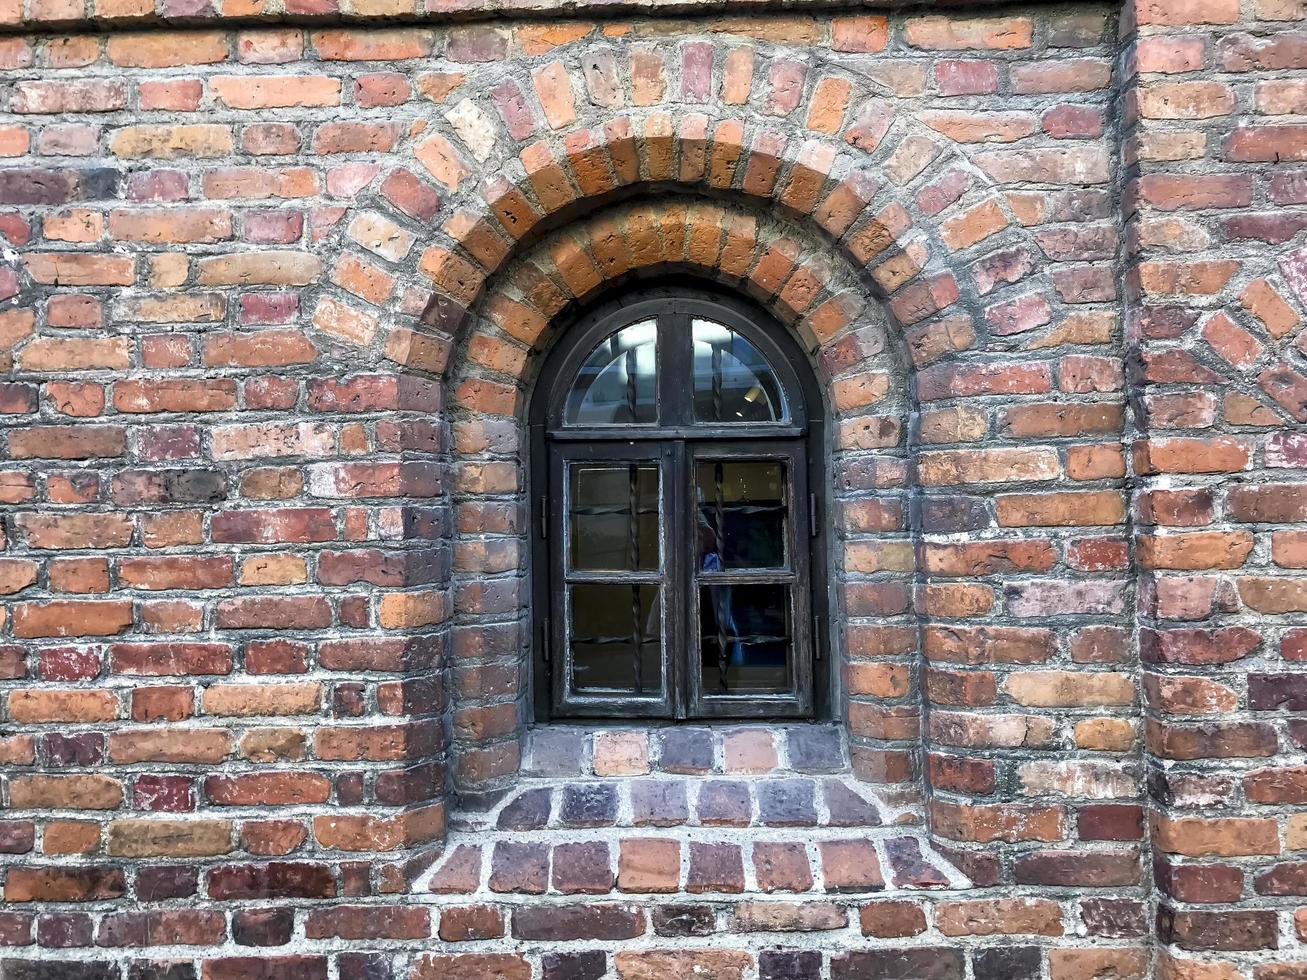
(745, 639)
(616, 637)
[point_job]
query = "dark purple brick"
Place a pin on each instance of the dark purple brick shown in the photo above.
(161, 970)
(520, 867)
(715, 868)
(267, 968)
(1231, 930)
(724, 802)
(908, 868)
(659, 803)
(364, 966)
(1007, 963)
(557, 751)
(97, 183)
(64, 930)
(948, 515)
(920, 963)
(47, 969)
(83, 749)
(278, 879)
(568, 923)
(688, 751)
(32, 185)
(789, 964)
(1271, 692)
(262, 927)
(16, 929)
(583, 868)
(1113, 918)
(589, 805)
(529, 811)
(846, 807)
(787, 803)
(172, 794)
(166, 881)
(589, 965)
(815, 748)
(17, 836)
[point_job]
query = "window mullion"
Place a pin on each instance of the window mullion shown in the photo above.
(674, 352)
(719, 530)
(679, 531)
(633, 542)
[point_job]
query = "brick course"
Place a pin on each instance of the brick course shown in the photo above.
(274, 292)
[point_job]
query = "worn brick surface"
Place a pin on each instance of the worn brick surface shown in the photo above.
(276, 281)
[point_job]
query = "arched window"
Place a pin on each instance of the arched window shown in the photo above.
(676, 519)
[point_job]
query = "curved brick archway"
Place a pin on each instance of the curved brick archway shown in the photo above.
(862, 224)
(901, 247)
(929, 234)
(792, 276)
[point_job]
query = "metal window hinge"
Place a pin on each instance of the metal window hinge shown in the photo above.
(544, 639)
(813, 527)
(544, 517)
(817, 645)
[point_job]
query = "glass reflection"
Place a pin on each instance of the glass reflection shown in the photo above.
(613, 509)
(616, 637)
(744, 638)
(741, 509)
(732, 380)
(617, 384)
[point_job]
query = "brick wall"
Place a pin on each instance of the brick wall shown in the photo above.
(272, 300)
(1214, 289)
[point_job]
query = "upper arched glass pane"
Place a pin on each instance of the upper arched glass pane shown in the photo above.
(618, 383)
(732, 380)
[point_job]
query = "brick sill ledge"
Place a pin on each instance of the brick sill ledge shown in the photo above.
(699, 812)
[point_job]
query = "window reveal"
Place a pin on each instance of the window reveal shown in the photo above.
(674, 518)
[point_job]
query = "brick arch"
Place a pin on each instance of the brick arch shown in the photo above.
(788, 272)
(921, 250)
(945, 252)
(902, 246)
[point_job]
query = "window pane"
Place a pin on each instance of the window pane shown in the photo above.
(744, 637)
(613, 509)
(732, 381)
(617, 384)
(616, 635)
(741, 509)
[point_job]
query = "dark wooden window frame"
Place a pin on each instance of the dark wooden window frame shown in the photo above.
(798, 440)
